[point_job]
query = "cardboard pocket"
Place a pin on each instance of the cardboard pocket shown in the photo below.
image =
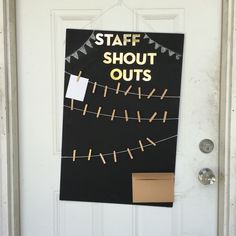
(153, 187)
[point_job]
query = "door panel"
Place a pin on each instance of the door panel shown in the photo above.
(41, 44)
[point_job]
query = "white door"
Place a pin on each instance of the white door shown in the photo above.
(41, 41)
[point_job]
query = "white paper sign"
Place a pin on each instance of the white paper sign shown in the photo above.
(76, 89)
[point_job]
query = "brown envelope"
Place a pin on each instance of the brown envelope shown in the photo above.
(153, 187)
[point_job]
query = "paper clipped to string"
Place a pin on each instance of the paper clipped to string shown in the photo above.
(77, 88)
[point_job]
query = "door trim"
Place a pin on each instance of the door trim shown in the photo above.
(227, 136)
(9, 145)
(9, 168)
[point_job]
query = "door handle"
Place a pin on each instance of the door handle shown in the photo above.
(206, 176)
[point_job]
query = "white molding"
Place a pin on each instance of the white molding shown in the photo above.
(227, 142)
(9, 178)
(146, 16)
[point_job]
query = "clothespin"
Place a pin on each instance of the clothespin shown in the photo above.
(78, 77)
(74, 155)
(105, 91)
(126, 116)
(98, 112)
(102, 158)
(128, 89)
(165, 116)
(150, 141)
(72, 104)
(118, 88)
(139, 92)
(89, 154)
(153, 117)
(94, 87)
(85, 109)
(130, 154)
(114, 156)
(139, 117)
(151, 93)
(113, 114)
(163, 94)
(141, 145)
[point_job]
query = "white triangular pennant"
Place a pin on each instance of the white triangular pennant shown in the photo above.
(88, 43)
(68, 59)
(171, 53)
(92, 36)
(163, 49)
(156, 46)
(75, 55)
(177, 56)
(83, 50)
(145, 36)
(150, 41)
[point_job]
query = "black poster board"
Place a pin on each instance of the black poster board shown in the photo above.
(130, 107)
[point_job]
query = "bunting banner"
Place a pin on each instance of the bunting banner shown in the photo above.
(83, 49)
(120, 117)
(163, 48)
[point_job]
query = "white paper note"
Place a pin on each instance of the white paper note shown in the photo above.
(77, 89)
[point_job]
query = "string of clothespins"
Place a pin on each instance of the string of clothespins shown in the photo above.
(114, 154)
(112, 115)
(125, 115)
(126, 92)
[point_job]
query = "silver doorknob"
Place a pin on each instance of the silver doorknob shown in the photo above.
(206, 176)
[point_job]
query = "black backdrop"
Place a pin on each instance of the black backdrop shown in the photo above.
(93, 181)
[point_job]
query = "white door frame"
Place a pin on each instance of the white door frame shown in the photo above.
(9, 158)
(9, 168)
(227, 124)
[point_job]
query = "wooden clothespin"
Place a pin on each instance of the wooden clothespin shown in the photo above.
(163, 94)
(105, 91)
(98, 112)
(141, 145)
(114, 156)
(165, 116)
(118, 88)
(85, 109)
(128, 89)
(130, 154)
(113, 114)
(153, 117)
(150, 141)
(94, 87)
(151, 93)
(126, 116)
(78, 77)
(74, 155)
(89, 154)
(139, 92)
(102, 158)
(139, 117)
(72, 104)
